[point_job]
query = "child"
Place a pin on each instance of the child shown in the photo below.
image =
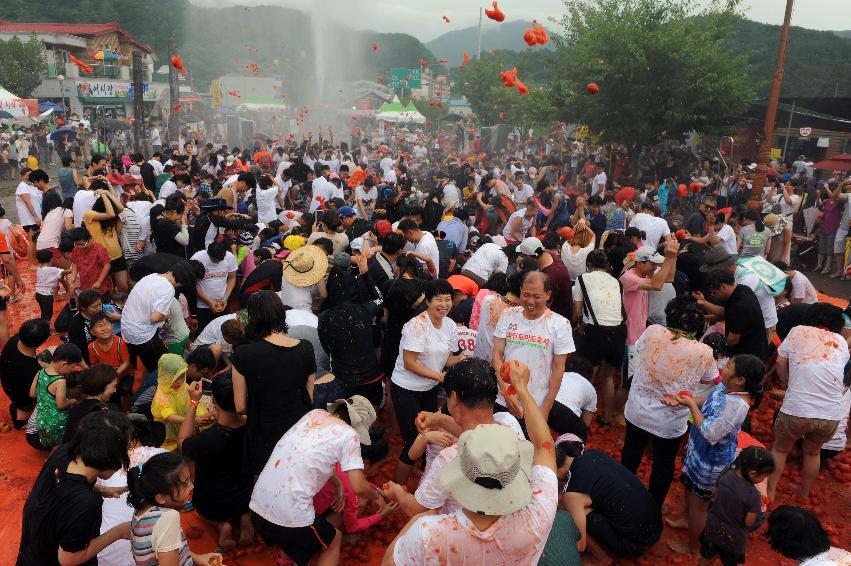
(107, 348)
(92, 388)
(157, 489)
(91, 260)
(712, 440)
(171, 400)
(49, 388)
(47, 280)
(735, 508)
(80, 328)
(466, 336)
(113, 310)
(720, 352)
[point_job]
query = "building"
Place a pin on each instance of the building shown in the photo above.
(107, 91)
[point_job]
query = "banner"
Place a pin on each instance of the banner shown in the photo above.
(103, 89)
(19, 107)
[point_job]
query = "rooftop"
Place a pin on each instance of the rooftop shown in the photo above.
(82, 30)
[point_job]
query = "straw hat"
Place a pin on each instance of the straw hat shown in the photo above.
(775, 224)
(361, 415)
(492, 472)
(306, 266)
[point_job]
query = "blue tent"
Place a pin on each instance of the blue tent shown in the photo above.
(45, 106)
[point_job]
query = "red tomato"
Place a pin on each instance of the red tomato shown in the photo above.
(593, 88)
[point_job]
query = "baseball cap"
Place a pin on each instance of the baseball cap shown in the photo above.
(530, 246)
(135, 172)
(356, 244)
(382, 227)
(361, 415)
(346, 211)
(647, 253)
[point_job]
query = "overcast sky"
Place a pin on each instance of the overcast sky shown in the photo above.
(424, 19)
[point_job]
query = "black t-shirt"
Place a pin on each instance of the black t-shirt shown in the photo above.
(62, 510)
(80, 334)
(80, 410)
(17, 371)
(743, 316)
(696, 224)
(267, 276)
(164, 232)
(377, 273)
(149, 178)
(689, 262)
(789, 317)
(400, 300)
(345, 333)
(617, 494)
(446, 253)
(221, 484)
(358, 229)
(276, 383)
(155, 263)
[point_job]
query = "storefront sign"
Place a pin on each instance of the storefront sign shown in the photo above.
(103, 89)
(18, 107)
(805, 132)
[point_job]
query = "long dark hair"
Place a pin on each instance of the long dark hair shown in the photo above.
(159, 475)
(266, 315)
(106, 226)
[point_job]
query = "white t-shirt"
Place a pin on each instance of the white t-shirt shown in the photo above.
(599, 185)
(289, 218)
(802, 288)
(518, 538)
(266, 200)
(788, 210)
(430, 493)
(158, 166)
(300, 464)
(575, 263)
(83, 201)
(47, 279)
(24, 216)
(521, 194)
(212, 334)
(654, 228)
(428, 246)
(296, 297)
(817, 361)
(577, 394)
(155, 137)
(833, 557)
(766, 299)
(604, 294)
(152, 293)
(534, 342)
(487, 260)
(451, 193)
(52, 227)
(466, 340)
(523, 228)
(323, 191)
(839, 440)
(215, 281)
(168, 188)
(142, 208)
(491, 310)
(728, 238)
(434, 345)
(663, 365)
(386, 165)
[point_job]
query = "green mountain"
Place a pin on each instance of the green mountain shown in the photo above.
(843, 33)
(506, 36)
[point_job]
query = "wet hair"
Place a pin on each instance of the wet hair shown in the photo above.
(80, 235)
(718, 277)
(752, 370)
(718, 343)
(498, 282)
(263, 254)
(68, 353)
(93, 381)
(437, 287)
(107, 226)
(392, 243)
(217, 251)
(87, 298)
(66, 161)
(409, 264)
(474, 381)
(824, 315)
(247, 178)
(326, 245)
(222, 390)
(43, 256)
(551, 241)
(597, 259)
(408, 225)
(514, 283)
(159, 475)
(796, 533)
(174, 205)
(183, 178)
(580, 365)
(684, 313)
(566, 448)
(757, 219)
(39, 175)
(118, 297)
(202, 356)
(233, 332)
(34, 332)
(266, 314)
(101, 440)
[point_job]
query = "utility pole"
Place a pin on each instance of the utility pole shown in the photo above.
(789, 128)
(174, 96)
(755, 201)
(138, 104)
(479, 40)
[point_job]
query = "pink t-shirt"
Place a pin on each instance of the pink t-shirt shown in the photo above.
(518, 538)
(635, 301)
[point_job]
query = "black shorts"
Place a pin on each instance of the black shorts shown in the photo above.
(2, 304)
(605, 344)
(30, 228)
(618, 543)
(300, 543)
(118, 265)
(710, 551)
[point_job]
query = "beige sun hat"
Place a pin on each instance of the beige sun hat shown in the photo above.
(306, 266)
(361, 415)
(492, 473)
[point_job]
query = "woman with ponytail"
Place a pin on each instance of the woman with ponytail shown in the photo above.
(754, 238)
(712, 439)
(158, 488)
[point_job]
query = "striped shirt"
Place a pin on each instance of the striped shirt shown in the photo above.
(157, 529)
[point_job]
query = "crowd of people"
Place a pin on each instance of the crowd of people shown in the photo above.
(245, 333)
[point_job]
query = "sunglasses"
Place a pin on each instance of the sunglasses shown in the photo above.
(708, 207)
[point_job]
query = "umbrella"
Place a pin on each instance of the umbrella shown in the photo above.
(59, 132)
(44, 106)
(5, 115)
(112, 124)
(106, 55)
(841, 162)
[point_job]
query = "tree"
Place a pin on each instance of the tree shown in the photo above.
(660, 65)
(22, 65)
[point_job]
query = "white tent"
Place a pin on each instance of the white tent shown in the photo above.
(6, 95)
